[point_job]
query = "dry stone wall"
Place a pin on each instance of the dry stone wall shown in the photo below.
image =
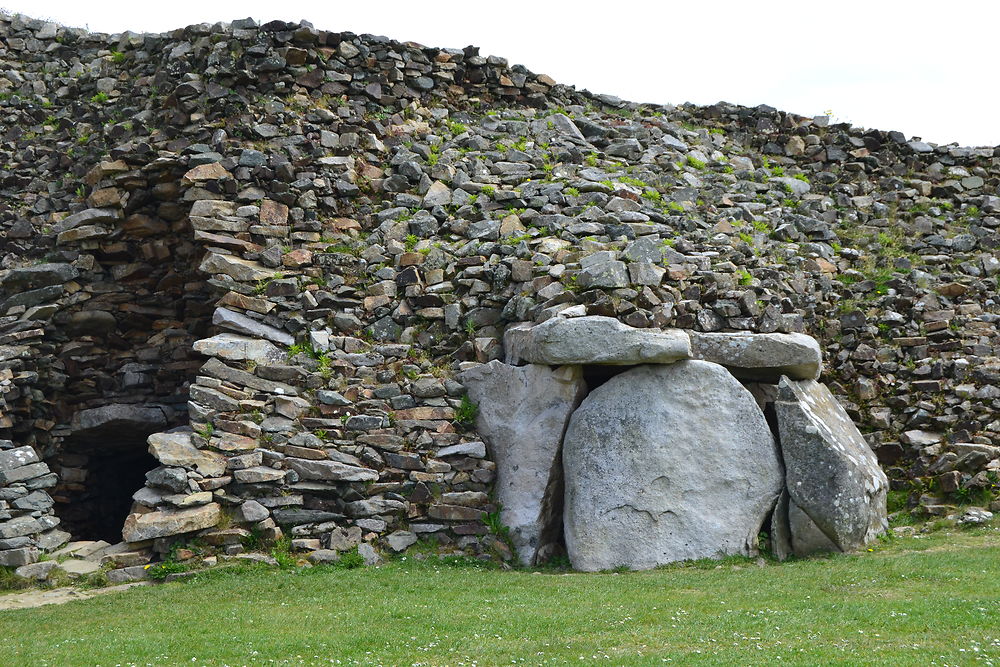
(288, 242)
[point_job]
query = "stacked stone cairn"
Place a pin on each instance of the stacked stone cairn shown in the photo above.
(243, 265)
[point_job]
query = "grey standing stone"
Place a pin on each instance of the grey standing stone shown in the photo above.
(523, 412)
(832, 475)
(667, 463)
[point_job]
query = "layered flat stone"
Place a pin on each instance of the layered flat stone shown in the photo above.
(240, 323)
(760, 357)
(234, 347)
(593, 340)
(119, 417)
(243, 270)
(667, 463)
(34, 277)
(523, 413)
(329, 470)
(141, 527)
(831, 474)
(175, 449)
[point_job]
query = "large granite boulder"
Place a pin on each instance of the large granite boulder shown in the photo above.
(760, 357)
(666, 463)
(593, 340)
(833, 477)
(523, 412)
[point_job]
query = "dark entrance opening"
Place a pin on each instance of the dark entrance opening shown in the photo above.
(102, 464)
(595, 375)
(95, 506)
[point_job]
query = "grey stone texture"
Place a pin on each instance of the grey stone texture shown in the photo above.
(523, 413)
(593, 340)
(832, 475)
(667, 463)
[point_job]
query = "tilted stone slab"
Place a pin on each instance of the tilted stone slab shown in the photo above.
(243, 270)
(20, 527)
(234, 347)
(175, 449)
(141, 527)
(41, 275)
(17, 457)
(523, 412)
(667, 463)
(329, 470)
(832, 475)
(593, 340)
(760, 357)
(240, 323)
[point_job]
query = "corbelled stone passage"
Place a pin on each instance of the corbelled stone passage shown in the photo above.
(111, 328)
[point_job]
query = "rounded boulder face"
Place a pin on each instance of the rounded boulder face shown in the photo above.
(666, 463)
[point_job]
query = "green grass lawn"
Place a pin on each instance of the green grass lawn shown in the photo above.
(933, 600)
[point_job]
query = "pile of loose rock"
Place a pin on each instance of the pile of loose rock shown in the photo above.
(272, 247)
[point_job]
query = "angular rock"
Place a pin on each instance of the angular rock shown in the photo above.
(240, 323)
(17, 457)
(258, 475)
(251, 511)
(593, 340)
(19, 527)
(234, 347)
(117, 418)
(36, 571)
(831, 474)
(400, 540)
(329, 471)
(237, 268)
(141, 527)
(34, 277)
(760, 357)
(175, 449)
(523, 412)
(667, 463)
(19, 557)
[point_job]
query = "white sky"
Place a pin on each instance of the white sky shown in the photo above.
(927, 69)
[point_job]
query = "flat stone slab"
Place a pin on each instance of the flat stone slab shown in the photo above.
(760, 357)
(175, 449)
(239, 269)
(593, 340)
(141, 527)
(831, 474)
(523, 413)
(234, 347)
(240, 323)
(667, 463)
(331, 471)
(116, 417)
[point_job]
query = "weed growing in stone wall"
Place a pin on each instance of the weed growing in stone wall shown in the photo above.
(466, 412)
